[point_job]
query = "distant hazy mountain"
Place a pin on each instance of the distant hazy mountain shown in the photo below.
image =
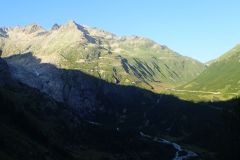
(222, 76)
(129, 60)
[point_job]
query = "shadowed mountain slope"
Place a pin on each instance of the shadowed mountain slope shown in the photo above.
(115, 111)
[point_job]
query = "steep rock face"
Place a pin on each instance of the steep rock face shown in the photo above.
(65, 86)
(123, 60)
(46, 78)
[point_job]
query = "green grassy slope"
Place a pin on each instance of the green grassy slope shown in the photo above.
(133, 61)
(222, 77)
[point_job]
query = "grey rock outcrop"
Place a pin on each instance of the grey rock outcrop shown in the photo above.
(68, 86)
(3, 32)
(55, 27)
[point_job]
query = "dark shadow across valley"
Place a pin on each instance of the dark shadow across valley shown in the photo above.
(131, 110)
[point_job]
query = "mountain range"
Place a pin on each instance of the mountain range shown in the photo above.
(129, 60)
(79, 93)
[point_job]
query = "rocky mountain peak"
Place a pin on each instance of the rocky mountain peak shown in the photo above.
(3, 32)
(71, 24)
(78, 31)
(55, 27)
(32, 28)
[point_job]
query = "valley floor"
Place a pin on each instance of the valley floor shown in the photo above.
(198, 95)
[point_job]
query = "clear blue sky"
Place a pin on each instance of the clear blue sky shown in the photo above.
(202, 29)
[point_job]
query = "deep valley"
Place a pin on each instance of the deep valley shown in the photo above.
(79, 93)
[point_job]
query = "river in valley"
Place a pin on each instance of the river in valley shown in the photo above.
(181, 154)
